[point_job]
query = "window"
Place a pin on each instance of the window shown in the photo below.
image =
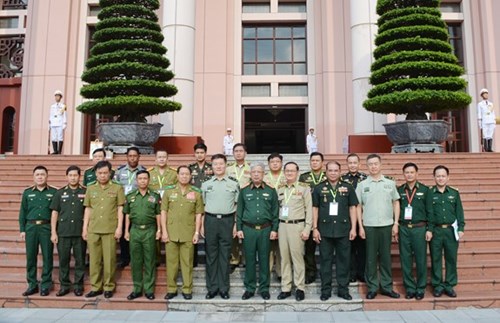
(456, 41)
(451, 7)
(94, 10)
(256, 7)
(255, 90)
(292, 7)
(293, 90)
(274, 50)
(9, 22)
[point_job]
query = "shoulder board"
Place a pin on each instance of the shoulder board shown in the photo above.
(343, 176)
(90, 168)
(280, 186)
(174, 169)
(347, 184)
(196, 189)
(169, 187)
(431, 187)
(230, 164)
(401, 186)
(115, 182)
(233, 179)
(453, 188)
(91, 183)
(305, 174)
(363, 174)
(30, 187)
(121, 166)
(53, 187)
(303, 184)
(133, 192)
(151, 168)
(390, 177)
(208, 164)
(192, 165)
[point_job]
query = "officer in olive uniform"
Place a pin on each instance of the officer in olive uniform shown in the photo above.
(34, 225)
(415, 229)
(312, 178)
(334, 226)
(448, 215)
(89, 176)
(66, 223)
(142, 228)
(358, 248)
(220, 194)
(257, 224)
(102, 226)
(181, 210)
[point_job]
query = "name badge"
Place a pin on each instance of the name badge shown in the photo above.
(334, 208)
(284, 212)
(128, 189)
(408, 212)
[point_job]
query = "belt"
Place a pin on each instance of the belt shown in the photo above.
(414, 225)
(444, 226)
(258, 226)
(143, 226)
(293, 221)
(39, 222)
(219, 216)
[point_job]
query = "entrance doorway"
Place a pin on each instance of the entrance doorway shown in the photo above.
(275, 129)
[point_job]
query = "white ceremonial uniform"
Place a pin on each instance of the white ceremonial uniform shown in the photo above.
(57, 121)
(312, 143)
(487, 118)
(228, 145)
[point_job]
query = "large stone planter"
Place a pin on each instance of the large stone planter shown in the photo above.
(118, 136)
(417, 135)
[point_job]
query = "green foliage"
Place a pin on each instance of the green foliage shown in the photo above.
(415, 69)
(127, 73)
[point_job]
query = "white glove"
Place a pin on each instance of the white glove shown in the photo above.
(64, 126)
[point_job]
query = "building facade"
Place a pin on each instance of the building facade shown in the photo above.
(268, 69)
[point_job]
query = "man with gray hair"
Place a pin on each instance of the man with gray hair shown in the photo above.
(257, 224)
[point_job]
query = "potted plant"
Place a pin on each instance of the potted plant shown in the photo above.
(415, 72)
(127, 74)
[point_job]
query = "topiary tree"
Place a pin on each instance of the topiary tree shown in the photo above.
(415, 70)
(127, 72)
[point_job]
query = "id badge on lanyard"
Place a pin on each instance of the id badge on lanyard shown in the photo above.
(284, 211)
(408, 212)
(334, 209)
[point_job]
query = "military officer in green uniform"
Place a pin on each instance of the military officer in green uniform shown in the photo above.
(66, 223)
(415, 229)
(142, 229)
(220, 194)
(378, 213)
(312, 178)
(34, 225)
(334, 227)
(448, 215)
(358, 248)
(89, 175)
(240, 170)
(295, 216)
(181, 210)
(257, 224)
(102, 226)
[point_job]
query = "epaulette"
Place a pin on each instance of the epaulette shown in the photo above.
(54, 187)
(115, 182)
(192, 164)
(453, 188)
(233, 179)
(196, 189)
(32, 187)
(231, 164)
(90, 168)
(169, 187)
(303, 184)
(91, 183)
(362, 174)
(150, 168)
(209, 164)
(390, 177)
(121, 166)
(280, 186)
(133, 192)
(172, 168)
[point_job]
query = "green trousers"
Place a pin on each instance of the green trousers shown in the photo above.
(64, 247)
(443, 241)
(358, 257)
(143, 258)
(102, 252)
(412, 245)
(38, 235)
(378, 258)
(340, 249)
(218, 240)
(256, 244)
(179, 253)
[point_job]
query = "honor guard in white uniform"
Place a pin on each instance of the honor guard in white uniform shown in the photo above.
(57, 122)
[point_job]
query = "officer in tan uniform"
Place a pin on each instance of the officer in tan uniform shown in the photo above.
(295, 218)
(181, 210)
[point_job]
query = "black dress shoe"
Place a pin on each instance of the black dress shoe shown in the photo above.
(410, 295)
(150, 296)
(324, 297)
(371, 295)
(224, 295)
(210, 295)
(62, 292)
(361, 279)
(278, 278)
(450, 293)
(170, 295)
(30, 291)
(299, 295)
(284, 295)
(78, 292)
(93, 293)
(187, 296)
(391, 294)
(345, 296)
(437, 293)
(122, 264)
(352, 280)
(419, 296)
(44, 292)
(310, 280)
(233, 267)
(108, 294)
(247, 295)
(134, 295)
(265, 295)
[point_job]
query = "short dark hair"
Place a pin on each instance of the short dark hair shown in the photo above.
(200, 146)
(317, 153)
(333, 162)
(102, 164)
(40, 167)
(410, 164)
(292, 163)
(274, 155)
(438, 167)
(352, 155)
(99, 150)
(129, 149)
(72, 168)
(240, 145)
(370, 156)
(181, 167)
(219, 156)
(161, 150)
(142, 171)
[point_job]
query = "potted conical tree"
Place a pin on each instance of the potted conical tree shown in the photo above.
(127, 73)
(414, 72)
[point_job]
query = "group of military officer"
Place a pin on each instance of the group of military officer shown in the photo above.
(245, 216)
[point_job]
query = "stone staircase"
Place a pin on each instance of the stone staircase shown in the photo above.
(478, 262)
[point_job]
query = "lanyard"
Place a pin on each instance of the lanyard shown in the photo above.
(287, 198)
(131, 177)
(410, 198)
(271, 179)
(334, 194)
(160, 180)
(238, 173)
(314, 178)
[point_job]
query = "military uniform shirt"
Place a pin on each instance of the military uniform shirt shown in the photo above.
(447, 207)
(126, 177)
(104, 202)
(200, 175)
(220, 196)
(353, 179)
(159, 182)
(242, 174)
(35, 205)
(311, 179)
(297, 198)
(181, 211)
(89, 177)
(421, 204)
(68, 203)
(275, 182)
(142, 209)
(377, 197)
(334, 226)
(258, 205)
(57, 114)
